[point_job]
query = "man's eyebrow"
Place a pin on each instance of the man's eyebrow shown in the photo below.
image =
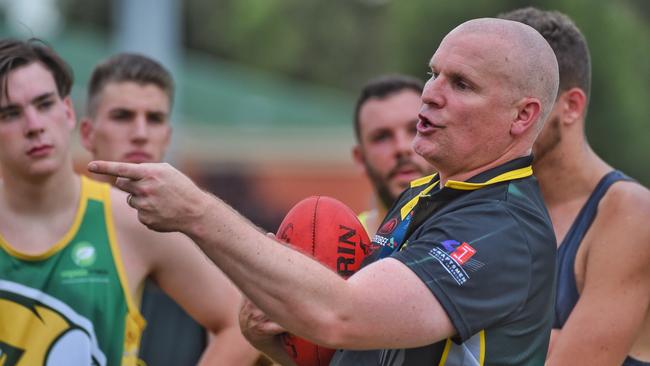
(157, 113)
(458, 75)
(43, 97)
(121, 110)
(8, 107)
(39, 98)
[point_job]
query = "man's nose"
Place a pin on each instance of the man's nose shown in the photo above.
(140, 129)
(432, 93)
(34, 123)
(404, 143)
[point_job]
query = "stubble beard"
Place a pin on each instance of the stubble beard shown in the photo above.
(381, 183)
(547, 141)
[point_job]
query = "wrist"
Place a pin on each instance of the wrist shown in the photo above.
(197, 227)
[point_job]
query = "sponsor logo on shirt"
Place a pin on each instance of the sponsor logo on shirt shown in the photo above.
(84, 254)
(463, 253)
(380, 240)
(392, 234)
(85, 269)
(456, 258)
(450, 265)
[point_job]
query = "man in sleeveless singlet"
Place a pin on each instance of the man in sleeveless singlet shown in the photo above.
(384, 126)
(464, 272)
(128, 110)
(600, 217)
(72, 252)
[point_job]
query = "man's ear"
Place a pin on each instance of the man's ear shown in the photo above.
(572, 106)
(71, 117)
(87, 130)
(359, 157)
(168, 138)
(527, 114)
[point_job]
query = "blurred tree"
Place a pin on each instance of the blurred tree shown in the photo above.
(95, 14)
(327, 41)
(344, 42)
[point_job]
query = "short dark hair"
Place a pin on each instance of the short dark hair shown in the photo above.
(125, 67)
(568, 43)
(16, 53)
(382, 87)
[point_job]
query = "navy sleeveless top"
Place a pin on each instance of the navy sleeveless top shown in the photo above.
(567, 292)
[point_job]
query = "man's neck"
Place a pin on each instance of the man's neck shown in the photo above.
(569, 171)
(42, 196)
(466, 173)
(102, 178)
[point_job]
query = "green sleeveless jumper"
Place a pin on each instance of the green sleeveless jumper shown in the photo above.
(70, 305)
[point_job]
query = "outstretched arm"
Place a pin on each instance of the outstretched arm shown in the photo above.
(297, 292)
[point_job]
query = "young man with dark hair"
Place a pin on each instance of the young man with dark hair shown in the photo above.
(73, 255)
(602, 306)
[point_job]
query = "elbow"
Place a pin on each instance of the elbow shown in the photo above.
(334, 330)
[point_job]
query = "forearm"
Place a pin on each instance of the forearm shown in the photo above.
(228, 347)
(593, 338)
(272, 275)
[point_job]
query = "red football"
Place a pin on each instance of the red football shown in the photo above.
(330, 232)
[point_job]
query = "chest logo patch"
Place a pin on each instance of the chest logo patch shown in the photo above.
(84, 254)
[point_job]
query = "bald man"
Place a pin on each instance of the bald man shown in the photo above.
(463, 268)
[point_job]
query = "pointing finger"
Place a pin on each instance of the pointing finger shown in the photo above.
(117, 169)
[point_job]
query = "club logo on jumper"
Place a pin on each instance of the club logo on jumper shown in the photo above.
(84, 254)
(393, 240)
(38, 329)
(453, 256)
(388, 227)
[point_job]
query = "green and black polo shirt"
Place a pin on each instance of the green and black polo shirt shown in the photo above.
(486, 250)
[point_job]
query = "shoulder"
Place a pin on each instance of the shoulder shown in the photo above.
(624, 210)
(125, 217)
(621, 226)
(477, 220)
(495, 227)
(150, 248)
(626, 197)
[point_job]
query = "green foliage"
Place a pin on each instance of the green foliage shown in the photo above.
(341, 43)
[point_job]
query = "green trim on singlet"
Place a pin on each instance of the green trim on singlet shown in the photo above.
(72, 299)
